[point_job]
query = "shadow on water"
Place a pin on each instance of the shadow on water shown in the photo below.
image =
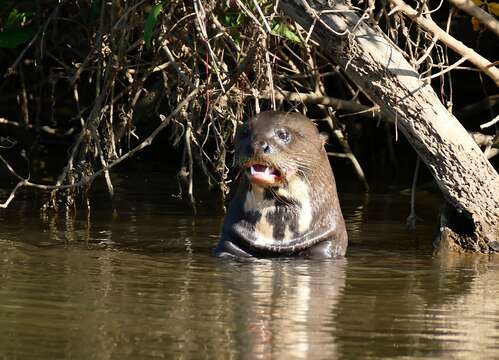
(137, 280)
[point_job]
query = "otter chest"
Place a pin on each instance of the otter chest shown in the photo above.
(280, 215)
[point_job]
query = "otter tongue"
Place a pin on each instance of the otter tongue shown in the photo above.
(262, 174)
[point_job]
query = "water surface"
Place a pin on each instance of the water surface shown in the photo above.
(136, 280)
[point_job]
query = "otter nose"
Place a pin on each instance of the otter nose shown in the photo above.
(261, 146)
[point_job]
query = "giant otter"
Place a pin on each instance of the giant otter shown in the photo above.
(286, 202)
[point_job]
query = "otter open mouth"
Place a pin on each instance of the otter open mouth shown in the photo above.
(264, 175)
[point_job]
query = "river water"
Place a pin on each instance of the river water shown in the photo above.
(136, 280)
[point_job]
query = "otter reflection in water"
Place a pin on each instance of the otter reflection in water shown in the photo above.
(286, 202)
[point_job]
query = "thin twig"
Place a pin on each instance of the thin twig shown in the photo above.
(446, 70)
(412, 218)
(490, 123)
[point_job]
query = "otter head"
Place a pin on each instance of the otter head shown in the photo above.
(273, 148)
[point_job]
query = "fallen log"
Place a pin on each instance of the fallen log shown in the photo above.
(466, 178)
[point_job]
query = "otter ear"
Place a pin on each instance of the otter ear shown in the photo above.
(324, 137)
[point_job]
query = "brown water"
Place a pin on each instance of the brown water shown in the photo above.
(141, 283)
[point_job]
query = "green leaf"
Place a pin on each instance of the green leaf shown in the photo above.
(284, 31)
(12, 38)
(15, 31)
(15, 19)
(231, 19)
(150, 24)
(94, 10)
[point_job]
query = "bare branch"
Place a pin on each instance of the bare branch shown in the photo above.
(484, 17)
(490, 123)
(429, 25)
(88, 179)
(345, 106)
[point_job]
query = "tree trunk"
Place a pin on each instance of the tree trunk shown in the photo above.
(468, 181)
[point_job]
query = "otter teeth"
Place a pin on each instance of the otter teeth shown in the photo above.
(254, 169)
(263, 175)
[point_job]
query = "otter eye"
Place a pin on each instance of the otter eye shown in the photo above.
(283, 135)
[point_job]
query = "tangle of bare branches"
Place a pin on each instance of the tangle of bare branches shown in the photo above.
(100, 78)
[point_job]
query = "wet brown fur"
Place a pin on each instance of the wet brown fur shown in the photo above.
(311, 188)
